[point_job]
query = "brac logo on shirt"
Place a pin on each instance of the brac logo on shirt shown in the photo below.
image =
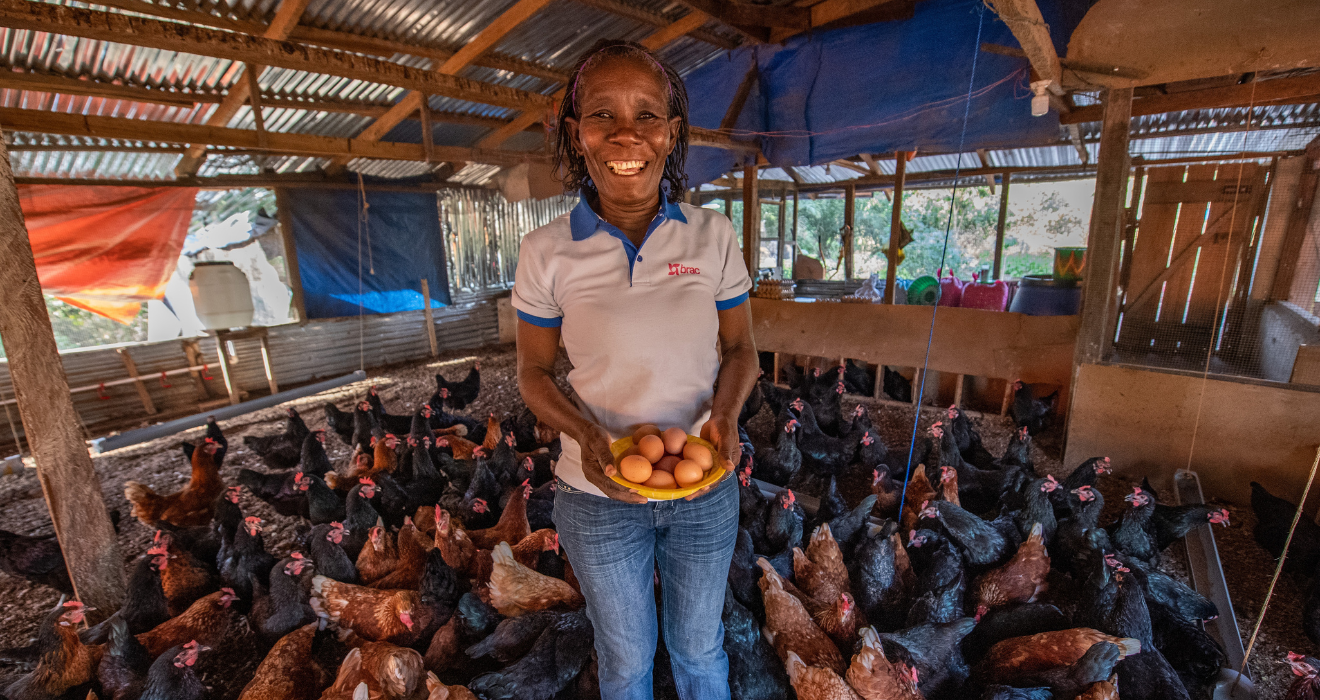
(680, 269)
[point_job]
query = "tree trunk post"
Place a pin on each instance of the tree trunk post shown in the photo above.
(64, 467)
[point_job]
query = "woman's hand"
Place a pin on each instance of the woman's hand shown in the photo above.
(598, 465)
(722, 432)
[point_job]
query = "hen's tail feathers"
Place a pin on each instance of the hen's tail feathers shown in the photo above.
(140, 496)
(1128, 646)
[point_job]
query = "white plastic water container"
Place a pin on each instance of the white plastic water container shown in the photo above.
(221, 294)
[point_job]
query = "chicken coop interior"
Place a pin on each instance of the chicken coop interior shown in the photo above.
(1036, 303)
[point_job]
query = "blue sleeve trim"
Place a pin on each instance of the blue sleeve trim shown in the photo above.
(731, 303)
(544, 322)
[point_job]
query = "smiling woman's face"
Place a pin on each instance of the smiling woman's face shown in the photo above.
(624, 132)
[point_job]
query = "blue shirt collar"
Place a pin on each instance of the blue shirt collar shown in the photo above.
(585, 222)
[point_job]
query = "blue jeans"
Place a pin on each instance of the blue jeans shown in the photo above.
(615, 548)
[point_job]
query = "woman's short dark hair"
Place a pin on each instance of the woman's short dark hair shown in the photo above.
(572, 166)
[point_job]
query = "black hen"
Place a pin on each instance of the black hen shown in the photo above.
(514, 637)
(37, 559)
(557, 657)
(457, 395)
(394, 424)
(935, 651)
(341, 422)
(245, 559)
(755, 672)
(284, 605)
(780, 464)
(882, 580)
(325, 542)
(171, 676)
(124, 665)
(982, 545)
(1274, 517)
(144, 604)
(282, 450)
(1029, 411)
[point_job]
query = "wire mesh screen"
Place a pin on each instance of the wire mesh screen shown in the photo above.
(1218, 272)
(482, 232)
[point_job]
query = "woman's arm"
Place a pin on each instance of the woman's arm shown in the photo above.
(537, 350)
(739, 367)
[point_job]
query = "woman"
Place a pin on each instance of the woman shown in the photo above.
(649, 297)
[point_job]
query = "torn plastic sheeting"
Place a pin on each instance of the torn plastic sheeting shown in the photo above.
(105, 249)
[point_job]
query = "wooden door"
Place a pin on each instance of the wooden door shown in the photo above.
(1192, 240)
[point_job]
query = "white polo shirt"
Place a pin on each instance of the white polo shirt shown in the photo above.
(639, 323)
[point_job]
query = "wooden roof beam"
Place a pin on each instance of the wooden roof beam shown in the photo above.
(37, 121)
(1300, 90)
(340, 41)
(415, 100)
(39, 82)
(870, 163)
(1024, 20)
(170, 36)
(655, 19)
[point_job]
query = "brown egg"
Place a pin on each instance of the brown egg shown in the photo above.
(635, 468)
(667, 463)
(675, 439)
(661, 480)
(644, 431)
(699, 454)
(652, 448)
(687, 473)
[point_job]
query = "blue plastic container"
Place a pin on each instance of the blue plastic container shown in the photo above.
(1042, 295)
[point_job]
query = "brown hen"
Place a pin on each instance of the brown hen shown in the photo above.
(516, 589)
(412, 559)
(512, 526)
(289, 671)
(209, 621)
(65, 662)
(790, 628)
(1018, 581)
(379, 557)
(815, 683)
(875, 678)
(192, 506)
(1021, 657)
(375, 615)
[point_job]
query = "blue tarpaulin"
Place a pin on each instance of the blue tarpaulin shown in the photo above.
(879, 88)
(400, 244)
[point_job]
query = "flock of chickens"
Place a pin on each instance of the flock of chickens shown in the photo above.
(428, 567)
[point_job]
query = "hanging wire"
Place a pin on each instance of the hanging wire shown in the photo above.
(948, 229)
(362, 228)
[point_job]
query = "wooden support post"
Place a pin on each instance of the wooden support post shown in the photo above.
(879, 390)
(265, 364)
(145, 396)
(917, 378)
(64, 467)
(958, 390)
(430, 318)
(1001, 226)
(783, 242)
(1099, 286)
(895, 227)
(795, 241)
(849, 206)
(1130, 228)
(227, 373)
(751, 220)
(428, 135)
(285, 215)
(252, 73)
(1008, 397)
(194, 355)
(774, 378)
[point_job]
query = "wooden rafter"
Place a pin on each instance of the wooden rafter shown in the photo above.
(245, 87)
(1299, 90)
(37, 82)
(690, 21)
(984, 156)
(870, 163)
(137, 31)
(655, 19)
(42, 122)
(331, 39)
(1028, 26)
(485, 39)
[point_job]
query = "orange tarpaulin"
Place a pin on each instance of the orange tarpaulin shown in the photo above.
(105, 249)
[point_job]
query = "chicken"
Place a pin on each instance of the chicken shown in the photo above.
(1307, 684)
(1130, 536)
(1019, 658)
(887, 492)
(210, 620)
(780, 464)
(245, 560)
(512, 526)
(194, 505)
(755, 671)
(1027, 410)
(1096, 666)
(144, 603)
(919, 491)
(171, 676)
(1274, 517)
(949, 485)
(290, 671)
(457, 395)
(212, 431)
(411, 549)
(875, 678)
(934, 652)
(399, 425)
(37, 559)
(282, 450)
(1086, 474)
(516, 590)
(458, 550)
(472, 621)
(1021, 580)
(328, 555)
(439, 691)
(883, 579)
(124, 665)
(1168, 524)
(390, 672)
(284, 607)
(980, 543)
(375, 615)
(378, 557)
(183, 577)
(558, 656)
(790, 628)
(65, 662)
(513, 637)
(820, 572)
(339, 421)
(812, 683)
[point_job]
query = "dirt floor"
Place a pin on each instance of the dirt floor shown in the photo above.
(161, 465)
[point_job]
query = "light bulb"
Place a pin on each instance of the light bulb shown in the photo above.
(1040, 101)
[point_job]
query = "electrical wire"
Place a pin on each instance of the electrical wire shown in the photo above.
(948, 229)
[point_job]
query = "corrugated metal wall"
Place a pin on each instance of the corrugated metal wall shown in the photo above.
(299, 355)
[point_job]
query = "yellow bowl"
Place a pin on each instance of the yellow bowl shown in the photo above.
(713, 475)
